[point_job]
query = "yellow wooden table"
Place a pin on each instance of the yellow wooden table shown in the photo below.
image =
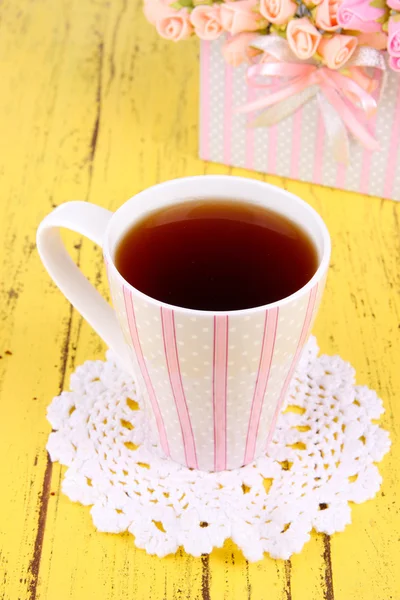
(94, 106)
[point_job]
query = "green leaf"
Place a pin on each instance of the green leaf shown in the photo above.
(182, 4)
(279, 30)
(382, 19)
(378, 3)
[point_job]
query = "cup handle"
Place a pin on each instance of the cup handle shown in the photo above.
(91, 221)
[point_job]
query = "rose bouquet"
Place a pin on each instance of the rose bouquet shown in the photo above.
(328, 30)
(335, 49)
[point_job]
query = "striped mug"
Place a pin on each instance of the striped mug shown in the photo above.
(212, 383)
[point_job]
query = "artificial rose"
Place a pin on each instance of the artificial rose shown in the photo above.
(326, 15)
(361, 15)
(303, 38)
(175, 26)
(337, 50)
(278, 12)
(206, 21)
(241, 16)
(155, 10)
(237, 49)
(394, 63)
(394, 4)
(377, 40)
(393, 46)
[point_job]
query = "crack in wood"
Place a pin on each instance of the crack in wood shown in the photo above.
(328, 574)
(248, 584)
(34, 565)
(205, 577)
(288, 580)
(113, 43)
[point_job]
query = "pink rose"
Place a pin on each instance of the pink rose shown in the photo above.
(303, 38)
(241, 16)
(394, 63)
(175, 26)
(360, 15)
(377, 40)
(394, 4)
(326, 15)
(337, 50)
(206, 21)
(393, 46)
(237, 49)
(278, 12)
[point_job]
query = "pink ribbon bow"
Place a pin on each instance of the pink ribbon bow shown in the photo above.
(346, 100)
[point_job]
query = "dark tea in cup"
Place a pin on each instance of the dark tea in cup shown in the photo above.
(216, 255)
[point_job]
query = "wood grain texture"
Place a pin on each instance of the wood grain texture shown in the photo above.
(95, 106)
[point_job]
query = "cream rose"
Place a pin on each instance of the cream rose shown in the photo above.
(326, 15)
(175, 26)
(337, 50)
(278, 12)
(303, 38)
(377, 40)
(241, 16)
(237, 49)
(155, 10)
(206, 21)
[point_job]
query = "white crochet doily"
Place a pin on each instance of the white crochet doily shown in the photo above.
(322, 456)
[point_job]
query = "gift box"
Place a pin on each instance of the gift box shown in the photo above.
(297, 147)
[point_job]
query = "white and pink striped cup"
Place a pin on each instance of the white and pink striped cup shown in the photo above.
(213, 383)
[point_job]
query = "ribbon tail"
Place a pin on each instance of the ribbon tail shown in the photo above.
(383, 83)
(284, 109)
(350, 119)
(297, 86)
(336, 131)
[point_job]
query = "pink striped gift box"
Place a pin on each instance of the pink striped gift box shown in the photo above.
(298, 146)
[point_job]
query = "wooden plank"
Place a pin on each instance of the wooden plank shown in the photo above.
(95, 106)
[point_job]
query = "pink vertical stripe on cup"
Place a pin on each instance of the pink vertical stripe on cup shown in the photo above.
(296, 144)
(393, 150)
(130, 311)
(205, 62)
(264, 367)
(228, 111)
(175, 377)
(220, 379)
(300, 344)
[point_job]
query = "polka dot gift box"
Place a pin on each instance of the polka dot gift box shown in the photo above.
(306, 89)
(300, 145)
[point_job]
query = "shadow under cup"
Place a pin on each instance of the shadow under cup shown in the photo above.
(213, 383)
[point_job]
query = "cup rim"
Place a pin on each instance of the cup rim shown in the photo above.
(322, 267)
